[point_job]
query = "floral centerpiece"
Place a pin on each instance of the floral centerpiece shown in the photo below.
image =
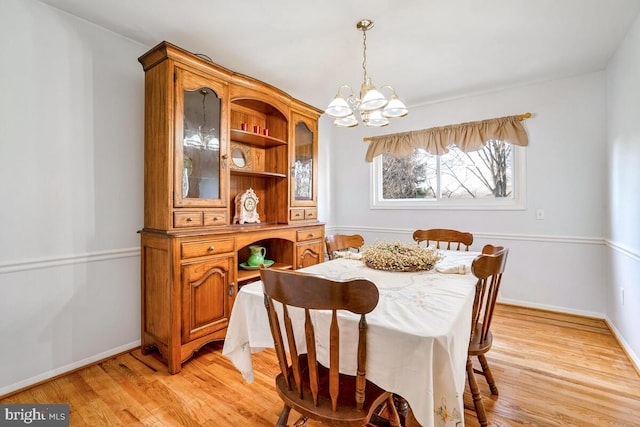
(398, 256)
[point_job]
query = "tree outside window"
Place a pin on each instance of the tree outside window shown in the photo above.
(484, 174)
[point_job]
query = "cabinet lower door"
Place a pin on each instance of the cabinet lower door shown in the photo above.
(308, 254)
(207, 294)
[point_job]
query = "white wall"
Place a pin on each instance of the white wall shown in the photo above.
(623, 227)
(556, 263)
(71, 141)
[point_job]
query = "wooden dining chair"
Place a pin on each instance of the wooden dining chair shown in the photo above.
(488, 268)
(454, 239)
(341, 242)
(315, 391)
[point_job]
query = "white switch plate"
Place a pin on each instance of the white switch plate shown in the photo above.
(539, 213)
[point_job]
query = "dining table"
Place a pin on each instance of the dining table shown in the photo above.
(417, 338)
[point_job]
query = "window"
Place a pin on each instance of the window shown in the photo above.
(489, 178)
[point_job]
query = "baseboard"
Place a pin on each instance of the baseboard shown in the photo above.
(635, 360)
(553, 308)
(63, 370)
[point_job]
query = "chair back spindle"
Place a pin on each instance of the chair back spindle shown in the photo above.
(340, 242)
(488, 268)
(454, 239)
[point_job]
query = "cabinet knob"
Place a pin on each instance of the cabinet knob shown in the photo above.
(310, 235)
(231, 288)
(211, 248)
(189, 219)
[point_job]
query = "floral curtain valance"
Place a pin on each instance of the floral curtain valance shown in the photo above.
(469, 136)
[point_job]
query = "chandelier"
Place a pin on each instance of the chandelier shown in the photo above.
(372, 107)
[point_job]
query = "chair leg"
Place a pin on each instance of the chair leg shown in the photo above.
(284, 416)
(486, 371)
(475, 394)
(394, 417)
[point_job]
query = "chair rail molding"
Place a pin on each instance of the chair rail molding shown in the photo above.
(57, 261)
(626, 250)
(476, 235)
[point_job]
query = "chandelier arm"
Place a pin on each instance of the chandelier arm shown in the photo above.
(393, 91)
(340, 91)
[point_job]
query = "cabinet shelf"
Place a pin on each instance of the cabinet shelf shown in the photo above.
(255, 139)
(244, 275)
(259, 174)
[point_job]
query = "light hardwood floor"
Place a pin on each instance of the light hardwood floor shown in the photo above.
(551, 369)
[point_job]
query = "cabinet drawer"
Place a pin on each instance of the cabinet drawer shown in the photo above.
(309, 234)
(215, 218)
(206, 247)
(187, 219)
(300, 214)
(296, 214)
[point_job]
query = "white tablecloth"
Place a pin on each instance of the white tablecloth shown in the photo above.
(417, 339)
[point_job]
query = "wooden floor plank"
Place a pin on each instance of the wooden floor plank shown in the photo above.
(552, 369)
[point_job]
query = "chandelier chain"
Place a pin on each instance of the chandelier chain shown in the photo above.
(364, 54)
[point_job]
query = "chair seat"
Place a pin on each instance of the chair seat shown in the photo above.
(476, 346)
(346, 414)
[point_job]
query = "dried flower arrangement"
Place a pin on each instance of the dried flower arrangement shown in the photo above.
(398, 256)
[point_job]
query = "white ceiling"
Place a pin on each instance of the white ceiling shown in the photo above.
(427, 49)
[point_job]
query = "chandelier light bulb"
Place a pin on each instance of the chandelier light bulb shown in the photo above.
(375, 119)
(339, 108)
(371, 97)
(346, 122)
(395, 108)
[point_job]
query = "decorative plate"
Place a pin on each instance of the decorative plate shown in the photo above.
(240, 157)
(267, 263)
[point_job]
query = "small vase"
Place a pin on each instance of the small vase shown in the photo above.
(257, 255)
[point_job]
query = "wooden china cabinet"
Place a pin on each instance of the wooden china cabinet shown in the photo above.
(210, 136)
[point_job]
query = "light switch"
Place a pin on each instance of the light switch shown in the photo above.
(539, 213)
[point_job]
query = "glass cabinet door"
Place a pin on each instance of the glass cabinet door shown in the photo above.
(303, 173)
(200, 178)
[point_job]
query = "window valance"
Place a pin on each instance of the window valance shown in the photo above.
(469, 136)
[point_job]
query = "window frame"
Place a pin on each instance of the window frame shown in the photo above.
(517, 202)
